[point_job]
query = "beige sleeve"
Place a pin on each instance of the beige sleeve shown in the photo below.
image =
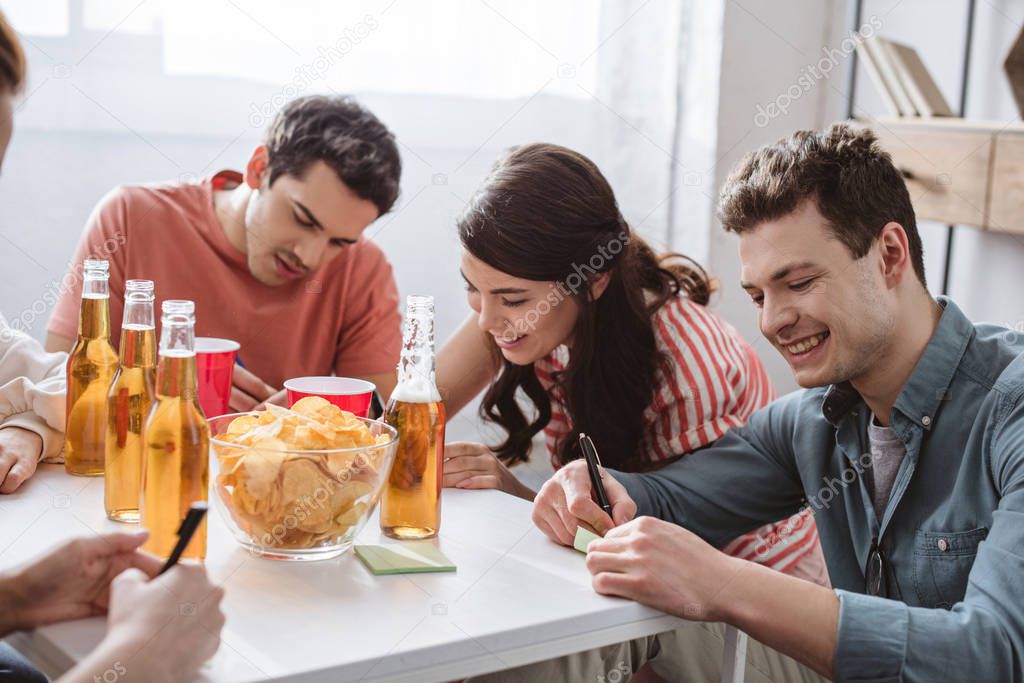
(32, 389)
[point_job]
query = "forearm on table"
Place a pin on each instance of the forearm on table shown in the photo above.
(120, 656)
(795, 617)
(9, 600)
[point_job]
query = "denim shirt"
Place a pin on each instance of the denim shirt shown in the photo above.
(953, 530)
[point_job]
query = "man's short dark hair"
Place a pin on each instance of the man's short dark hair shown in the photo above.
(843, 170)
(344, 135)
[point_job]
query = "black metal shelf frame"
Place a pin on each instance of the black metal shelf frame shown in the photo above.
(856, 19)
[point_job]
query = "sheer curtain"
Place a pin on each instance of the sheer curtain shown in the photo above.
(128, 91)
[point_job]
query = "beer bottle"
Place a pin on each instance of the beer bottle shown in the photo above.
(90, 368)
(175, 467)
(128, 403)
(411, 503)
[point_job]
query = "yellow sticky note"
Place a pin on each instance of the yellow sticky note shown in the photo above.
(583, 539)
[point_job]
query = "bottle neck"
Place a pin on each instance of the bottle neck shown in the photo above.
(176, 371)
(416, 380)
(176, 375)
(138, 346)
(94, 317)
(138, 332)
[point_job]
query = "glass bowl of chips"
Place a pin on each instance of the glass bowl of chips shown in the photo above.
(299, 483)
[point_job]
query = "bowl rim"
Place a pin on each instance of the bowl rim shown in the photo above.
(330, 451)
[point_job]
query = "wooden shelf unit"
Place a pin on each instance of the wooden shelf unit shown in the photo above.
(958, 171)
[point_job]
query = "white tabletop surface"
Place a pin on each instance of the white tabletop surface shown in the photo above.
(516, 597)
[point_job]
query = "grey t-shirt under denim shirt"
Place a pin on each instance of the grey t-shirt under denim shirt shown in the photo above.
(955, 535)
(887, 451)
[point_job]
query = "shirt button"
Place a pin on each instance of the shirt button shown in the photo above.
(943, 545)
(926, 420)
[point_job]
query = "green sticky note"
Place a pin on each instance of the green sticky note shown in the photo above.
(408, 557)
(583, 539)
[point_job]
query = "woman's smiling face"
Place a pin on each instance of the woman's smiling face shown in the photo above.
(528, 319)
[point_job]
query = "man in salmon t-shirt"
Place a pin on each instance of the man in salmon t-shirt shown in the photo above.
(275, 259)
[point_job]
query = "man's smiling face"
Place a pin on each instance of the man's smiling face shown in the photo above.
(826, 312)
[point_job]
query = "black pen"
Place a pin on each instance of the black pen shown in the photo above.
(594, 468)
(376, 406)
(188, 527)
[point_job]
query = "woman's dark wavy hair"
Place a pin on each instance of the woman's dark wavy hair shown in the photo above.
(546, 213)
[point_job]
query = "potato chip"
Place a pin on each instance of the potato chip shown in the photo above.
(310, 405)
(243, 424)
(280, 491)
(311, 439)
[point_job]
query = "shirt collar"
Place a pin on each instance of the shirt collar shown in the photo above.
(928, 384)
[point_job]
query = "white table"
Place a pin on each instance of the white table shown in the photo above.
(516, 598)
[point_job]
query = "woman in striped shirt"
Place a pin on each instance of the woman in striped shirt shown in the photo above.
(580, 327)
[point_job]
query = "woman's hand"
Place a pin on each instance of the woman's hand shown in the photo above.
(19, 452)
(473, 466)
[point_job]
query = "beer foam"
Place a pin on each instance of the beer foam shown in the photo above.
(94, 295)
(416, 390)
(177, 353)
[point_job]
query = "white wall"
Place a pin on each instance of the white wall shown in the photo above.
(59, 164)
(768, 46)
(100, 110)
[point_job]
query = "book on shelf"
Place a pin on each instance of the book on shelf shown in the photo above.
(917, 81)
(879, 50)
(868, 59)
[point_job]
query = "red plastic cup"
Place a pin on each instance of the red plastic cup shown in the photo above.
(215, 366)
(353, 395)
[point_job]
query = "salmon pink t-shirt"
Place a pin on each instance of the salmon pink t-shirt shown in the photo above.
(341, 319)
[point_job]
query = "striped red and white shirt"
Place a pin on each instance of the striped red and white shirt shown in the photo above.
(709, 381)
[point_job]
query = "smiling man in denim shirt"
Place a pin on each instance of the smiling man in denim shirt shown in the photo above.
(907, 441)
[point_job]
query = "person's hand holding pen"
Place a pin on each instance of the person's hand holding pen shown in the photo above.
(636, 559)
(159, 628)
(567, 501)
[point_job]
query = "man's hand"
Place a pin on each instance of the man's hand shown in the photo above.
(474, 466)
(19, 452)
(249, 391)
(664, 566)
(278, 399)
(72, 581)
(565, 503)
(160, 630)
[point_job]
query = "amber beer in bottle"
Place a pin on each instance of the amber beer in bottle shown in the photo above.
(128, 402)
(411, 503)
(175, 468)
(90, 369)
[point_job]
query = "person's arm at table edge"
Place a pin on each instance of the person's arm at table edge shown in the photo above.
(744, 480)
(33, 389)
(8, 597)
(466, 364)
(796, 617)
(879, 639)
